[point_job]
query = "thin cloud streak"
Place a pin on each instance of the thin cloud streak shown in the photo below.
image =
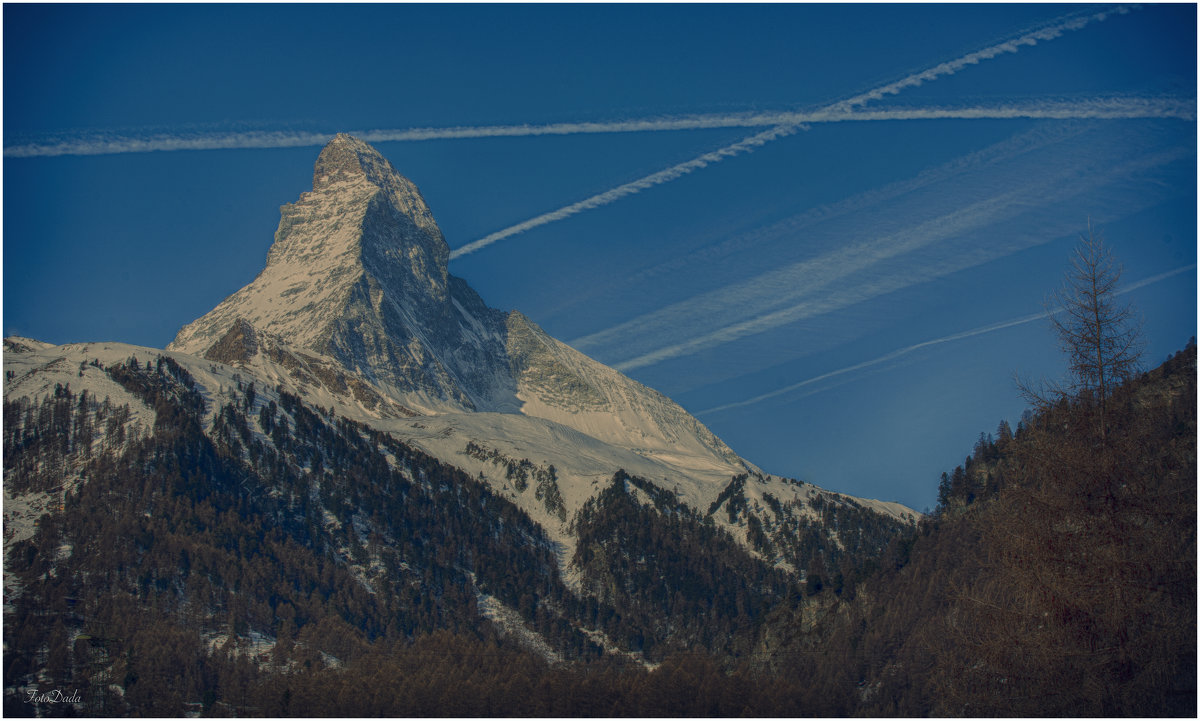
(1153, 279)
(1049, 31)
(663, 176)
(713, 256)
(797, 291)
(809, 277)
(166, 142)
(1100, 108)
(842, 108)
(786, 283)
(875, 361)
(991, 328)
(1107, 109)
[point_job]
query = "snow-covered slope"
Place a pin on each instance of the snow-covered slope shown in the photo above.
(572, 464)
(560, 384)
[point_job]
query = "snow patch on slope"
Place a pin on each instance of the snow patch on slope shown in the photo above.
(510, 623)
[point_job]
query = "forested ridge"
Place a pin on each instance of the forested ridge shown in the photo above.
(233, 569)
(286, 561)
(329, 535)
(687, 582)
(1057, 576)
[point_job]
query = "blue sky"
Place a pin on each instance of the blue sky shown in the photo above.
(812, 225)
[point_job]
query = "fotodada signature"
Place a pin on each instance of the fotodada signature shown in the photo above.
(53, 696)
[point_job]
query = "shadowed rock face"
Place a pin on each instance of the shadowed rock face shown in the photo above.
(238, 345)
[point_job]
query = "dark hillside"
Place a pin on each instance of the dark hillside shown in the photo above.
(1057, 578)
(675, 581)
(279, 560)
(145, 589)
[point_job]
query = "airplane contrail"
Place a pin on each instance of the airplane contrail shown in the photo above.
(817, 286)
(1107, 108)
(1099, 108)
(712, 255)
(990, 328)
(783, 124)
(1048, 31)
(841, 108)
(636, 186)
(874, 362)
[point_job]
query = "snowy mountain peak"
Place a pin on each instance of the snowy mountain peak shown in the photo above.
(356, 308)
(358, 275)
(348, 159)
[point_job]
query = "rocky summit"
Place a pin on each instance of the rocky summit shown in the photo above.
(356, 298)
(357, 274)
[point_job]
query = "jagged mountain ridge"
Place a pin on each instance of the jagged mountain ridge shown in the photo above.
(358, 275)
(353, 368)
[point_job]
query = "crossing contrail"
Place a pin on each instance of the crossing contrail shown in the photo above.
(840, 109)
(1099, 108)
(106, 144)
(1022, 320)
(781, 124)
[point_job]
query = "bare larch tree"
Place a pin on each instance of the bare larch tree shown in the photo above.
(1100, 336)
